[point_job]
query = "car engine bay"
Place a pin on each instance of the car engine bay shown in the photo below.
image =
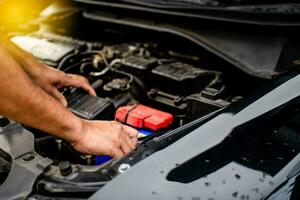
(161, 93)
(163, 88)
(163, 74)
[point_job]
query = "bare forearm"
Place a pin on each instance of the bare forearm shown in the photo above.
(24, 102)
(26, 61)
(24, 95)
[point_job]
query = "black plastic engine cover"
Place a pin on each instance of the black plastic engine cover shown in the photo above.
(90, 107)
(181, 78)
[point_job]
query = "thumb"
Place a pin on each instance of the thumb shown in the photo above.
(57, 95)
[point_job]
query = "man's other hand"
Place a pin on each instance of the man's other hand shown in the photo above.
(106, 138)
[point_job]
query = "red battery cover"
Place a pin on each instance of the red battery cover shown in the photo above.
(140, 116)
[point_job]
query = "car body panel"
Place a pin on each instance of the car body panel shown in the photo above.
(229, 180)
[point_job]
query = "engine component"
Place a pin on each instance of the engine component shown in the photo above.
(199, 105)
(97, 84)
(175, 103)
(117, 84)
(125, 50)
(89, 107)
(140, 116)
(101, 159)
(144, 132)
(25, 163)
(43, 49)
(65, 168)
(3, 122)
(139, 63)
(181, 78)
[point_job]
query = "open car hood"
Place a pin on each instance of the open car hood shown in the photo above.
(253, 42)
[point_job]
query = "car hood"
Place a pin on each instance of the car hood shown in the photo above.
(199, 166)
(252, 38)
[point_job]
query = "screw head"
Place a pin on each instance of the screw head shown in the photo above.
(123, 168)
(28, 157)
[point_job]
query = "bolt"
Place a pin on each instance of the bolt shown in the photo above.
(65, 168)
(28, 157)
(59, 144)
(123, 168)
(88, 159)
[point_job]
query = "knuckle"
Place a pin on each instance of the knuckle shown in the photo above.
(118, 126)
(49, 89)
(61, 73)
(66, 78)
(114, 122)
(83, 79)
(79, 78)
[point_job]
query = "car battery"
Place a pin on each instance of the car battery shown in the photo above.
(140, 116)
(181, 78)
(90, 107)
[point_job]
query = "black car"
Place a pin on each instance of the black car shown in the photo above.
(213, 87)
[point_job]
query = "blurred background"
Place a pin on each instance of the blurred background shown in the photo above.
(15, 14)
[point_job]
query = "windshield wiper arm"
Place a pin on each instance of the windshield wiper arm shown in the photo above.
(174, 3)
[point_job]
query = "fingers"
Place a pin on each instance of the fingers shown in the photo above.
(123, 139)
(120, 148)
(131, 143)
(107, 138)
(57, 95)
(134, 140)
(72, 80)
(127, 144)
(132, 133)
(125, 147)
(117, 153)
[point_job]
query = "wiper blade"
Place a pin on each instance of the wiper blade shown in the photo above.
(174, 3)
(243, 6)
(272, 8)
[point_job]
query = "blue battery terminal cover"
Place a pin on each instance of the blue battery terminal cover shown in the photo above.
(102, 159)
(144, 132)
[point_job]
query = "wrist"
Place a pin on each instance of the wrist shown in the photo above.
(77, 130)
(72, 130)
(78, 142)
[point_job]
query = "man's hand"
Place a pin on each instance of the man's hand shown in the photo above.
(50, 80)
(47, 78)
(24, 90)
(106, 138)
